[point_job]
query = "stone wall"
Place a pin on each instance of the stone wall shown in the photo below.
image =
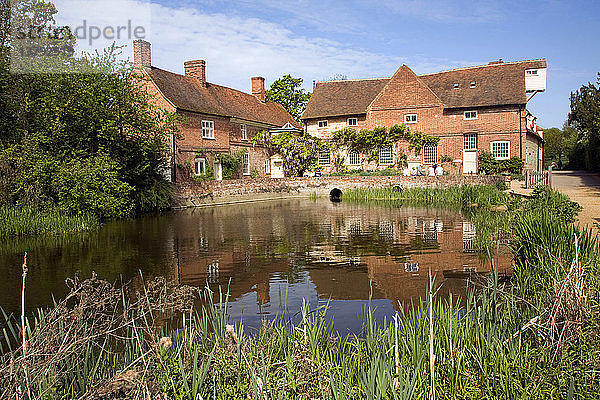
(230, 191)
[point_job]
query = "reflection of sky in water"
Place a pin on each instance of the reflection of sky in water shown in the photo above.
(315, 250)
(346, 314)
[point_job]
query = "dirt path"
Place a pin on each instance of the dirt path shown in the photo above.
(584, 188)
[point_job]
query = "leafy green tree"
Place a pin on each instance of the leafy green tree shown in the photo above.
(560, 144)
(585, 118)
(84, 140)
(287, 92)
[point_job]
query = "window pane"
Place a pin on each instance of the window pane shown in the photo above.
(430, 153)
(324, 157)
(385, 155)
(470, 141)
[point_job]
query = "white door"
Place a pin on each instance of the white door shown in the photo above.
(469, 162)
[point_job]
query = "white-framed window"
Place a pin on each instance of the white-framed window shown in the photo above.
(322, 124)
(324, 157)
(430, 153)
(244, 132)
(246, 164)
(500, 149)
(456, 86)
(470, 141)
(386, 156)
(200, 166)
(410, 119)
(531, 72)
(267, 166)
(208, 130)
(352, 122)
(354, 158)
(473, 84)
(470, 115)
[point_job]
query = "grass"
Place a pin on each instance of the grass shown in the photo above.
(538, 337)
(23, 221)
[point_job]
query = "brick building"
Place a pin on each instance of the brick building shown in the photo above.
(217, 119)
(474, 109)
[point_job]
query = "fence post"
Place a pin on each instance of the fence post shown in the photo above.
(526, 179)
(550, 177)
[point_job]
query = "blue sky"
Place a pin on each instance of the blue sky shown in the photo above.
(315, 40)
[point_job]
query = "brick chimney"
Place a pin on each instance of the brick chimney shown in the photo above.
(196, 69)
(142, 53)
(258, 88)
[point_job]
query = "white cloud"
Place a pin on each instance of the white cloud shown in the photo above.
(236, 48)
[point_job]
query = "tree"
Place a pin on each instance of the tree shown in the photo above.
(287, 92)
(585, 118)
(84, 140)
(559, 145)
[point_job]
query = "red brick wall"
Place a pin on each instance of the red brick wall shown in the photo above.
(492, 123)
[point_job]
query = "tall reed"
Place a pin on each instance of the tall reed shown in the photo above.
(21, 221)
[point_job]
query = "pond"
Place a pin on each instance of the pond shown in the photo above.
(269, 255)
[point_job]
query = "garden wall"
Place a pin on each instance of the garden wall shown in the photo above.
(237, 190)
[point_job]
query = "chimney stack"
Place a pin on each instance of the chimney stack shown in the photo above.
(142, 53)
(196, 69)
(258, 88)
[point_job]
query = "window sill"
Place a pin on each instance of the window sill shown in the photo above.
(208, 138)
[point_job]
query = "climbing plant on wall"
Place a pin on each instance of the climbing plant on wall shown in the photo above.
(299, 153)
(231, 163)
(368, 142)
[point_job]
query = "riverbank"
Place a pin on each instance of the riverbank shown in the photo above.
(535, 338)
(23, 221)
(198, 193)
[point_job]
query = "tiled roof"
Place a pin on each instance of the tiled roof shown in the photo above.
(495, 84)
(186, 93)
(346, 97)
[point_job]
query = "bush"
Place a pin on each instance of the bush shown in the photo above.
(489, 165)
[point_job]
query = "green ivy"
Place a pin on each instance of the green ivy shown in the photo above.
(231, 163)
(369, 142)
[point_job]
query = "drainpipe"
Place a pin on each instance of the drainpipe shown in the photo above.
(520, 134)
(174, 164)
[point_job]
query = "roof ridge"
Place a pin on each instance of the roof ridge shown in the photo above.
(354, 80)
(483, 66)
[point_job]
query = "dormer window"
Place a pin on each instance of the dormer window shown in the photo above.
(456, 86)
(472, 84)
(322, 124)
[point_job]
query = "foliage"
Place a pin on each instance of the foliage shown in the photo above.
(84, 139)
(231, 163)
(585, 118)
(287, 92)
(369, 142)
(489, 165)
(562, 207)
(299, 153)
(446, 159)
(559, 145)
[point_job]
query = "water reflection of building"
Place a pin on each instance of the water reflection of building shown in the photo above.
(342, 249)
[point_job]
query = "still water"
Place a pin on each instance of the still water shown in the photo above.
(270, 255)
